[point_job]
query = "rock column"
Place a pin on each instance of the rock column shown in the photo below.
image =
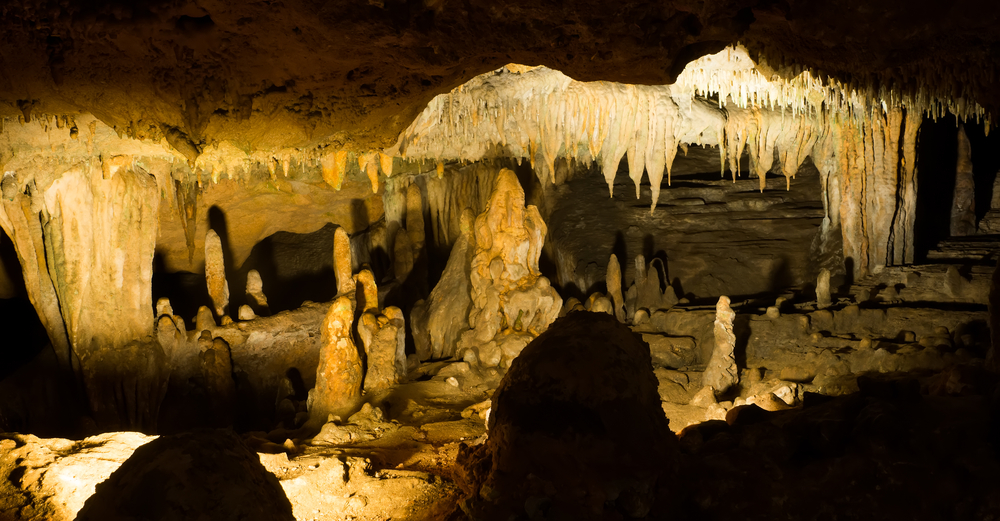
(339, 375)
(721, 372)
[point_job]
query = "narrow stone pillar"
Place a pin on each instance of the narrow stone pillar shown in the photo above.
(613, 278)
(963, 209)
(215, 273)
(342, 262)
(255, 293)
(721, 372)
(823, 300)
(369, 291)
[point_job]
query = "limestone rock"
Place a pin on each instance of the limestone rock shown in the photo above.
(204, 320)
(369, 290)
(215, 273)
(823, 289)
(380, 337)
(51, 479)
(614, 283)
(163, 307)
(648, 294)
(721, 372)
(398, 320)
(438, 323)
(339, 375)
(598, 303)
(207, 474)
(246, 313)
(342, 262)
(171, 335)
(255, 293)
(506, 288)
(582, 392)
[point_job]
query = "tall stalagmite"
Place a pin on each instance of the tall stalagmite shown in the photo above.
(339, 375)
(215, 273)
(963, 209)
(342, 262)
(721, 372)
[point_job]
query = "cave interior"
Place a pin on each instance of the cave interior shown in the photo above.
(427, 259)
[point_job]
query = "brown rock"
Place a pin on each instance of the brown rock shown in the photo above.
(721, 372)
(342, 262)
(215, 273)
(339, 375)
(209, 474)
(614, 283)
(582, 392)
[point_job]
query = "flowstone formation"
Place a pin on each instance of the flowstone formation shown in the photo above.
(510, 302)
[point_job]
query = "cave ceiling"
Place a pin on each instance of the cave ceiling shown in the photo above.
(271, 75)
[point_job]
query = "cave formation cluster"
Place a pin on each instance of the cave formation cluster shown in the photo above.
(409, 280)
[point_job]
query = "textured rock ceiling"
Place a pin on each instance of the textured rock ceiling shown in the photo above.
(270, 74)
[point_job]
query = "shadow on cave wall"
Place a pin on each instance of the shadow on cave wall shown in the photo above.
(293, 267)
(23, 334)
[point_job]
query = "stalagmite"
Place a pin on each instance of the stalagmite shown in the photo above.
(215, 273)
(721, 372)
(398, 320)
(507, 290)
(204, 320)
(163, 307)
(339, 375)
(366, 279)
(614, 284)
(246, 313)
(963, 210)
(255, 292)
(438, 322)
(382, 349)
(823, 289)
(171, 335)
(342, 263)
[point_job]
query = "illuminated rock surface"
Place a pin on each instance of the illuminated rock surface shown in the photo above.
(830, 169)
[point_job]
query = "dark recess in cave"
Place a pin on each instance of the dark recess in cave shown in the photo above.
(936, 158)
(23, 334)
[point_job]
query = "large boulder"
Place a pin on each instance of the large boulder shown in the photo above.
(576, 430)
(207, 474)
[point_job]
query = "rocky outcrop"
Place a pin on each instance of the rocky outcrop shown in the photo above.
(576, 430)
(209, 474)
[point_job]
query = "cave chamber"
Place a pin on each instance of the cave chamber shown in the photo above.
(526, 296)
